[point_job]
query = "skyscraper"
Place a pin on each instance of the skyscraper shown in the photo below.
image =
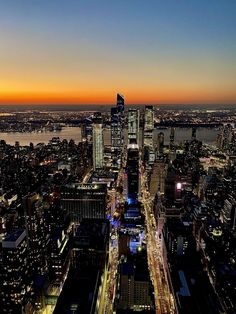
(117, 121)
(160, 143)
(227, 133)
(84, 201)
(84, 288)
(35, 227)
(116, 129)
(172, 137)
(148, 126)
(170, 184)
(135, 285)
(133, 173)
(149, 154)
(120, 103)
(86, 130)
(133, 126)
(157, 182)
(97, 142)
(116, 137)
(229, 211)
(14, 274)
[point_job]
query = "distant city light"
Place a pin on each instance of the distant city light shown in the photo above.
(179, 186)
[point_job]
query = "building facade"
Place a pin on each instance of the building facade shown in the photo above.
(84, 201)
(148, 126)
(14, 270)
(133, 126)
(98, 145)
(132, 173)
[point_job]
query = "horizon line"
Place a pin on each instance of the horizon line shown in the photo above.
(113, 104)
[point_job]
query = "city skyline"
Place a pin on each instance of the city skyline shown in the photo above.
(107, 212)
(71, 52)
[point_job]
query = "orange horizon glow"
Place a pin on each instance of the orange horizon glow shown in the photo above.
(171, 96)
(84, 53)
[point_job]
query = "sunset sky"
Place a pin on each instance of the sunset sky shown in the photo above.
(151, 51)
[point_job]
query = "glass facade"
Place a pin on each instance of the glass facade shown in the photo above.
(133, 126)
(84, 201)
(148, 126)
(98, 146)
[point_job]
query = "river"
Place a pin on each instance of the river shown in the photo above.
(207, 135)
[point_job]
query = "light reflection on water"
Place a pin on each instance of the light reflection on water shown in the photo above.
(207, 135)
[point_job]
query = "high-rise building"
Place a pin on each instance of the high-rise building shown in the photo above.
(229, 212)
(84, 289)
(35, 228)
(226, 137)
(170, 183)
(116, 129)
(120, 103)
(160, 143)
(86, 131)
(116, 137)
(157, 182)
(84, 201)
(219, 140)
(98, 145)
(178, 236)
(148, 126)
(133, 126)
(149, 154)
(117, 122)
(149, 118)
(133, 173)
(58, 252)
(233, 142)
(135, 285)
(14, 272)
(172, 137)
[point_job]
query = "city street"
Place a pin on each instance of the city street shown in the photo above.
(163, 298)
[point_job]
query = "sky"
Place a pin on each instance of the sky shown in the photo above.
(84, 51)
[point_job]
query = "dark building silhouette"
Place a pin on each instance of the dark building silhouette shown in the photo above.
(87, 130)
(120, 103)
(170, 181)
(82, 290)
(84, 200)
(36, 233)
(14, 272)
(135, 289)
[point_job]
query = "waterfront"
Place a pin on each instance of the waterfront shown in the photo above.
(207, 135)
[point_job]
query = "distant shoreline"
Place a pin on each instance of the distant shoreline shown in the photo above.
(105, 108)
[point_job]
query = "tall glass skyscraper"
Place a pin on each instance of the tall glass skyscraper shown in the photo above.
(132, 169)
(117, 121)
(120, 103)
(133, 126)
(148, 126)
(116, 129)
(116, 137)
(98, 146)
